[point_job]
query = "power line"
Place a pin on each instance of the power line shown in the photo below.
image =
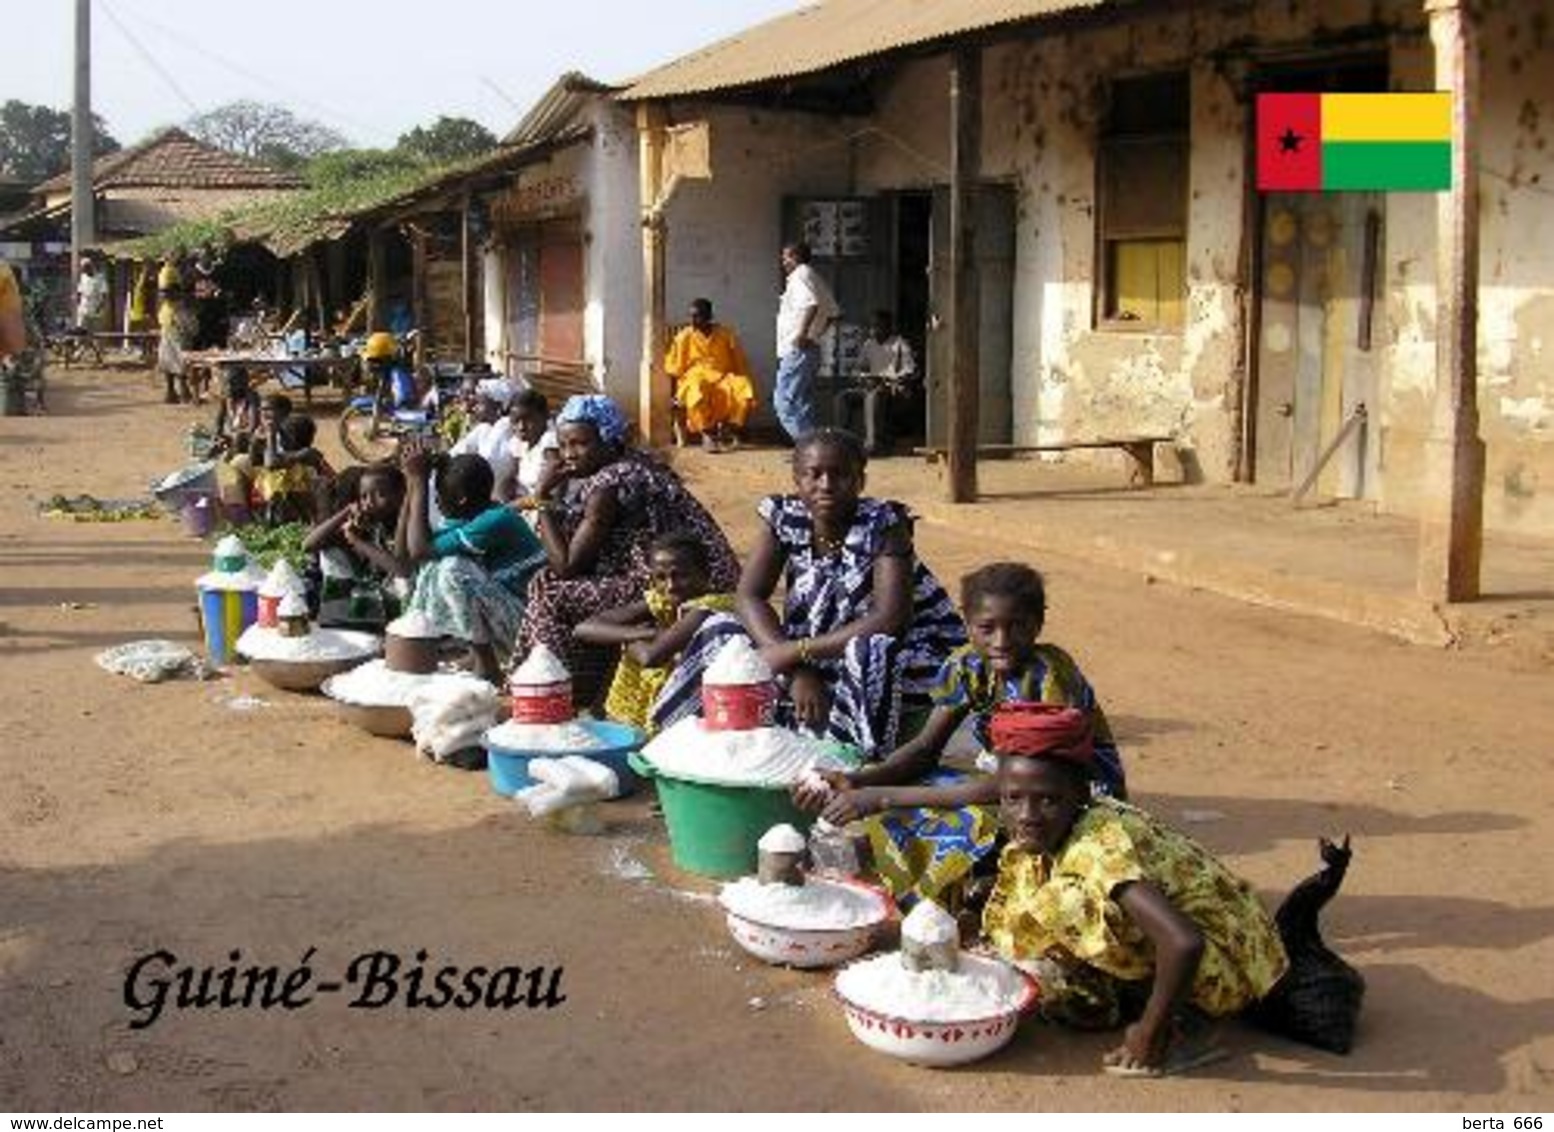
(149, 59)
(265, 81)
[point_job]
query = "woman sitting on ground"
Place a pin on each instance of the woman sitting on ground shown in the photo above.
(599, 515)
(474, 568)
(865, 625)
(1121, 918)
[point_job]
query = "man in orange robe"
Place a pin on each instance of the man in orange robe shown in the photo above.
(711, 376)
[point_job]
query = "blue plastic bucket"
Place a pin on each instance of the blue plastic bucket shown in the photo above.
(508, 768)
(224, 614)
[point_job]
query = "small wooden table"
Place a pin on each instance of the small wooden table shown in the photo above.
(314, 370)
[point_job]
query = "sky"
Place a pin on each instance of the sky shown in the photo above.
(370, 69)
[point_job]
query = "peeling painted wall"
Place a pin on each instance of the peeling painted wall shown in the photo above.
(724, 235)
(1516, 274)
(1041, 108)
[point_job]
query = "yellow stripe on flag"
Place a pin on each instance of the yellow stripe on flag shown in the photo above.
(1387, 117)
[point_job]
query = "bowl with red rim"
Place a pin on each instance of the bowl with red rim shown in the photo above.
(780, 940)
(941, 1042)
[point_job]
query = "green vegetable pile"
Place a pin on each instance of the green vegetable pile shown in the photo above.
(268, 545)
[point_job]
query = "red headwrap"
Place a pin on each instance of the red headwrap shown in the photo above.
(1047, 730)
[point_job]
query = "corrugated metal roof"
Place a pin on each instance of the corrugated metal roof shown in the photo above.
(557, 109)
(829, 34)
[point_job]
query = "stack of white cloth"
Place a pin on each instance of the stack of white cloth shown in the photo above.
(561, 784)
(452, 716)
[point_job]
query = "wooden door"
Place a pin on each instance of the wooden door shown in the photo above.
(1316, 350)
(994, 252)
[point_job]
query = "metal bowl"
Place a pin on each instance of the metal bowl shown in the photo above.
(392, 721)
(302, 675)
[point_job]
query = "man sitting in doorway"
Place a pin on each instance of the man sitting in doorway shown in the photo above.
(887, 374)
(712, 379)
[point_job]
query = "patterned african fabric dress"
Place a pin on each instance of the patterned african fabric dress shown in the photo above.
(878, 675)
(1062, 912)
(472, 587)
(634, 688)
(922, 851)
(652, 502)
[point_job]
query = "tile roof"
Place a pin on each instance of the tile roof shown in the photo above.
(172, 159)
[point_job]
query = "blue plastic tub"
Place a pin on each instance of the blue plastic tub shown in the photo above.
(509, 769)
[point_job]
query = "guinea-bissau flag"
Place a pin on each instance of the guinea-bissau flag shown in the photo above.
(1359, 142)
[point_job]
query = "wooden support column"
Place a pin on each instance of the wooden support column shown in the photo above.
(467, 279)
(1451, 529)
(964, 304)
(377, 284)
(654, 396)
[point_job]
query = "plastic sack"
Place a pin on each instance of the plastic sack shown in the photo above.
(151, 662)
(1318, 999)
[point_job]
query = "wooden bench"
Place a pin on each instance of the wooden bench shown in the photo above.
(556, 378)
(1140, 451)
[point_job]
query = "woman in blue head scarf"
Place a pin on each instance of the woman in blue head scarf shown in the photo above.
(599, 516)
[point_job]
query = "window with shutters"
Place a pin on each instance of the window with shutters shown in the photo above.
(1141, 204)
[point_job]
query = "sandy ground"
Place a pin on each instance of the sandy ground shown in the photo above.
(139, 818)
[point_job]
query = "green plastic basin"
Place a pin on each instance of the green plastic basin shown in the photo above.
(713, 828)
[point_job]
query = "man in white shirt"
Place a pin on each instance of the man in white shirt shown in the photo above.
(91, 296)
(886, 374)
(806, 309)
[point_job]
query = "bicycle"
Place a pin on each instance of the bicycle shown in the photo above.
(372, 425)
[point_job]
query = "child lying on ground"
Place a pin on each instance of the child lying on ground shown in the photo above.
(474, 568)
(937, 824)
(354, 578)
(1123, 919)
(653, 631)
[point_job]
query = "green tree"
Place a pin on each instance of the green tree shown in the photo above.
(265, 132)
(35, 141)
(446, 140)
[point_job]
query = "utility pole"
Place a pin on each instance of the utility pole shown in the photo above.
(83, 218)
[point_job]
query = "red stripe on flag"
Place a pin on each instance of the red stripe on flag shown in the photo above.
(1289, 142)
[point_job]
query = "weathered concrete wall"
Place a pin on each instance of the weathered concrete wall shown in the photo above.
(724, 234)
(1516, 294)
(1042, 104)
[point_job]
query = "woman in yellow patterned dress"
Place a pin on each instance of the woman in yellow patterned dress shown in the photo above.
(653, 631)
(1114, 912)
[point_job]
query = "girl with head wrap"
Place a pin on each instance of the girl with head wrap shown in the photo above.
(1121, 918)
(599, 514)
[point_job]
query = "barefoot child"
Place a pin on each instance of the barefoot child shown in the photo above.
(935, 825)
(653, 631)
(1124, 919)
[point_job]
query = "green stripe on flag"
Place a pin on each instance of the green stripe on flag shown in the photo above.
(1400, 166)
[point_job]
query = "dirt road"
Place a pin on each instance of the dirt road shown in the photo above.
(139, 819)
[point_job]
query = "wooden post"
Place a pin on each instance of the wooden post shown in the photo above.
(1451, 528)
(653, 392)
(467, 267)
(376, 253)
(964, 304)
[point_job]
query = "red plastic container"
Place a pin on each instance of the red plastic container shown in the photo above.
(737, 707)
(542, 703)
(269, 611)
